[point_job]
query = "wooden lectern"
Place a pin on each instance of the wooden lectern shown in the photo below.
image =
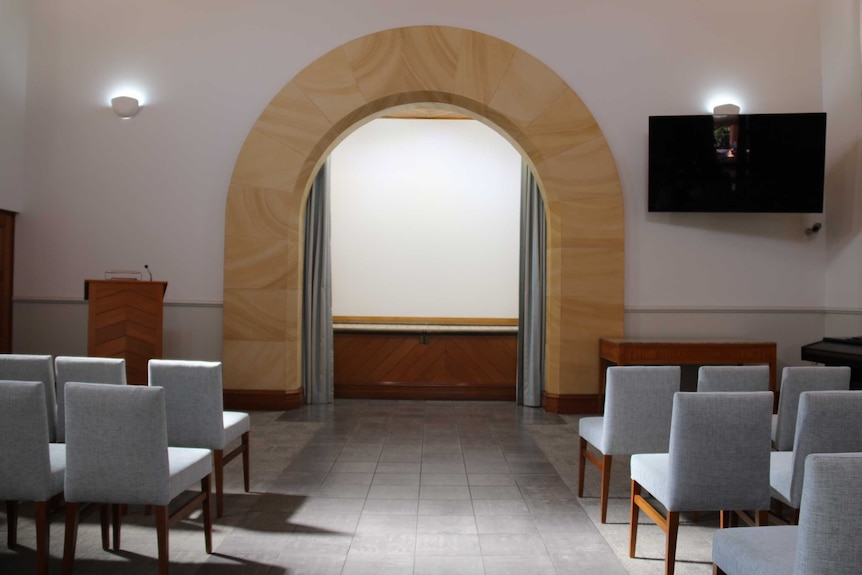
(125, 320)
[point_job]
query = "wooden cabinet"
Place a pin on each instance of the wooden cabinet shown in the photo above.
(125, 320)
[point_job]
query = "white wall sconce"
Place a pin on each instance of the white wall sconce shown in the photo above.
(726, 110)
(125, 106)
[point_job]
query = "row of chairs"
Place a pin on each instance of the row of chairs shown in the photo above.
(123, 444)
(711, 450)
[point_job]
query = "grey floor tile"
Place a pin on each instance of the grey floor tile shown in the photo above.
(506, 524)
(383, 544)
(444, 479)
(448, 566)
(395, 479)
(377, 524)
(306, 565)
(483, 479)
(444, 492)
(393, 492)
(509, 565)
(450, 524)
(446, 544)
(512, 544)
(391, 507)
(445, 507)
(378, 565)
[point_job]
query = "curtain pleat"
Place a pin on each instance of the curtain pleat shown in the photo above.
(531, 304)
(317, 348)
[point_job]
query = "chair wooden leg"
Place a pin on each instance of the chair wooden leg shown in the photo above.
(162, 535)
(116, 520)
(606, 485)
(582, 460)
(725, 519)
(207, 506)
(218, 468)
(670, 544)
(104, 525)
(71, 537)
(794, 516)
(761, 517)
(12, 524)
(633, 519)
(43, 537)
(246, 461)
(716, 570)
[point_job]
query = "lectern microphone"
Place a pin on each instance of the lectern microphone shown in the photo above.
(146, 267)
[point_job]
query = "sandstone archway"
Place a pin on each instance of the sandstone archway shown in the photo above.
(484, 76)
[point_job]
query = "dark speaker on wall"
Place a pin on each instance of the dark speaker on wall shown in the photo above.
(771, 163)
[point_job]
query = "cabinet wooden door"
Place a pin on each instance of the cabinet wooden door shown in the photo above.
(7, 253)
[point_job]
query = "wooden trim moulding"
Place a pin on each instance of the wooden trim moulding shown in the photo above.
(434, 391)
(425, 320)
(263, 399)
(569, 403)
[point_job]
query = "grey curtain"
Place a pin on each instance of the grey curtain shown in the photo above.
(317, 350)
(531, 305)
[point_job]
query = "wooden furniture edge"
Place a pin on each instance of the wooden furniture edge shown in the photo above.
(434, 391)
(263, 399)
(571, 403)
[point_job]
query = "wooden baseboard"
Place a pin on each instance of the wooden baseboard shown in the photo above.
(587, 404)
(263, 400)
(434, 391)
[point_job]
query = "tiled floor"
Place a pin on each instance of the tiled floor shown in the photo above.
(374, 487)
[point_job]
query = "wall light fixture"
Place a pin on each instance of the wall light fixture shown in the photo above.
(125, 106)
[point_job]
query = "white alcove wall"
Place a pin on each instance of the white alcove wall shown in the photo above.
(425, 221)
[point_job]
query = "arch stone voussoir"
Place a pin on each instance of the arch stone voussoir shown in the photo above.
(498, 84)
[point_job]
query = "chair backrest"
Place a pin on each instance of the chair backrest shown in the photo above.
(827, 422)
(795, 380)
(719, 451)
(831, 517)
(193, 398)
(733, 378)
(116, 444)
(638, 406)
(25, 464)
(21, 367)
(85, 370)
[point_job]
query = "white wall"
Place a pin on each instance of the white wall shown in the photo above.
(103, 193)
(13, 91)
(425, 221)
(842, 99)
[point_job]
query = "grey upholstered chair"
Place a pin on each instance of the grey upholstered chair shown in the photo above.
(84, 370)
(827, 539)
(21, 367)
(31, 468)
(827, 422)
(795, 380)
(718, 461)
(196, 416)
(117, 454)
(733, 378)
(638, 405)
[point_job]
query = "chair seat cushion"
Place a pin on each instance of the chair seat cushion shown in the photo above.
(57, 453)
(780, 474)
(590, 428)
(755, 550)
(235, 424)
(187, 465)
(650, 470)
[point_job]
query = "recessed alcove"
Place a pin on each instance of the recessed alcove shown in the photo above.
(437, 67)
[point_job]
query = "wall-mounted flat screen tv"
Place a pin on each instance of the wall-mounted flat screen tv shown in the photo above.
(742, 163)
